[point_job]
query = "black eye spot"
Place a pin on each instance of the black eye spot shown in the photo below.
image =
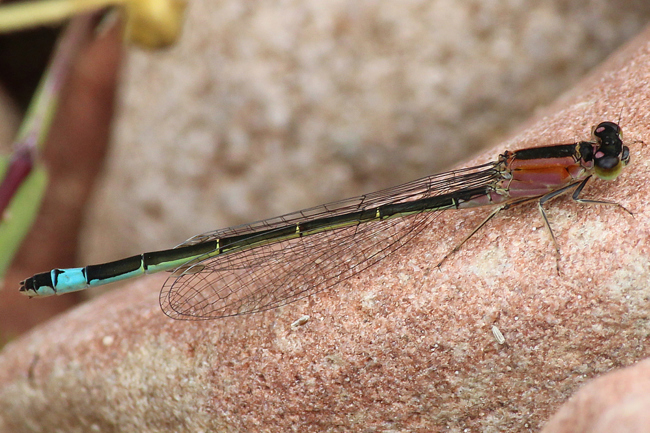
(607, 162)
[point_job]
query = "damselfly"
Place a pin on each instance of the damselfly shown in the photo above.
(260, 266)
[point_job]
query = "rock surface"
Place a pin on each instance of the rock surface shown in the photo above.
(265, 108)
(402, 346)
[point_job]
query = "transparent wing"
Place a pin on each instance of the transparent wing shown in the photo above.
(272, 275)
(429, 186)
(252, 280)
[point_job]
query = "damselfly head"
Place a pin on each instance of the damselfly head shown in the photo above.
(610, 155)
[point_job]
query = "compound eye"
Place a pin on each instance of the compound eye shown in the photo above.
(607, 162)
(605, 130)
(625, 156)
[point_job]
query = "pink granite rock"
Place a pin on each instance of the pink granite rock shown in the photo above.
(615, 403)
(402, 347)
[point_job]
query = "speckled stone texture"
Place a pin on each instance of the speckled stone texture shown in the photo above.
(616, 403)
(402, 347)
